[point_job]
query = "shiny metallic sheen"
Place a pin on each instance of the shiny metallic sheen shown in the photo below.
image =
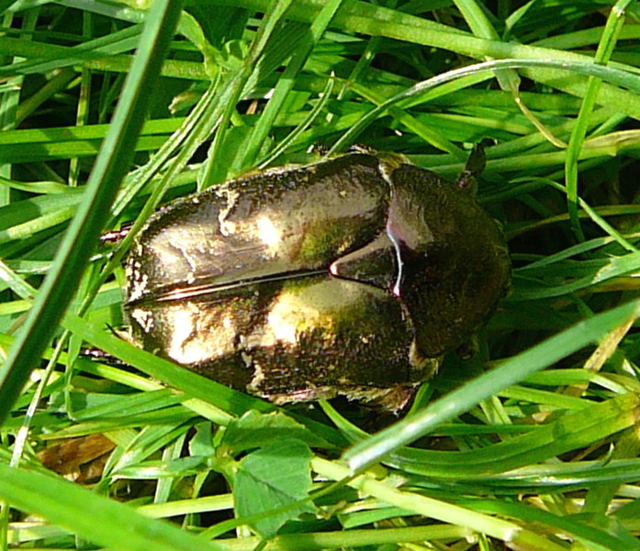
(349, 276)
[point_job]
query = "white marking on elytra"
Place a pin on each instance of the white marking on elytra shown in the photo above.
(183, 327)
(144, 318)
(386, 171)
(139, 284)
(191, 260)
(257, 379)
(230, 197)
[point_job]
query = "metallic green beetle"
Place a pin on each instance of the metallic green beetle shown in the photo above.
(349, 276)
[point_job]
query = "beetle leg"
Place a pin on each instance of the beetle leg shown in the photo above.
(115, 236)
(98, 355)
(469, 348)
(472, 169)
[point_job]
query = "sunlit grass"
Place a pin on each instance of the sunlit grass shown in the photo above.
(531, 443)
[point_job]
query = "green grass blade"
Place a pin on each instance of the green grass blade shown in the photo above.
(509, 372)
(603, 55)
(112, 163)
(66, 504)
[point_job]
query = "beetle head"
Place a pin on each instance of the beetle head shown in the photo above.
(440, 254)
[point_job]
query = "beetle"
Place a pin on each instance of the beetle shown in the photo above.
(349, 276)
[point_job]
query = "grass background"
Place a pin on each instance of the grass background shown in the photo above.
(530, 444)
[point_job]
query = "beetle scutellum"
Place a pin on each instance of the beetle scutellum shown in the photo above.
(349, 276)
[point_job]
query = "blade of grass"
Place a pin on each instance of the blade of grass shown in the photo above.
(362, 17)
(214, 170)
(298, 130)
(286, 82)
(504, 530)
(119, 526)
(603, 55)
(120, 41)
(588, 69)
(481, 26)
(223, 398)
(372, 450)
(594, 538)
(188, 381)
(112, 163)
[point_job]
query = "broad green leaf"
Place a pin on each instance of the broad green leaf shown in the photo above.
(277, 475)
(256, 430)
